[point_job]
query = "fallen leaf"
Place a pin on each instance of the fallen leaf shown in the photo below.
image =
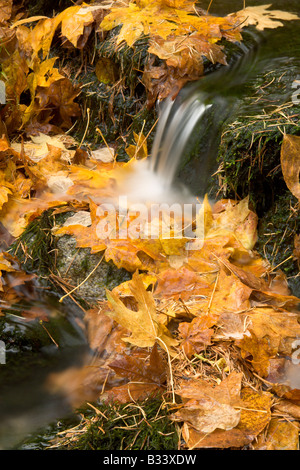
(261, 17)
(143, 323)
(196, 334)
(255, 415)
(281, 435)
(269, 333)
(208, 408)
(146, 375)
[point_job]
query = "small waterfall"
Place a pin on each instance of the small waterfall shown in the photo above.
(173, 133)
(216, 94)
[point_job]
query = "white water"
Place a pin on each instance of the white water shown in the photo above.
(152, 179)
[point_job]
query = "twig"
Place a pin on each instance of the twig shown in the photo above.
(87, 126)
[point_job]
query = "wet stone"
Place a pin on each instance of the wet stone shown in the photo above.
(76, 264)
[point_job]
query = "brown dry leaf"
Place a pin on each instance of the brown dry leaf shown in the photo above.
(196, 334)
(286, 408)
(261, 17)
(146, 374)
(269, 333)
(208, 408)
(5, 10)
(207, 414)
(228, 391)
(143, 323)
(281, 435)
(255, 415)
(180, 284)
(290, 163)
(231, 325)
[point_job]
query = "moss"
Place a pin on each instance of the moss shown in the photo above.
(249, 153)
(41, 253)
(46, 7)
(115, 427)
(276, 232)
(118, 109)
(34, 248)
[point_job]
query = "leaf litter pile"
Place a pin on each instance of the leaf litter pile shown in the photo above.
(211, 330)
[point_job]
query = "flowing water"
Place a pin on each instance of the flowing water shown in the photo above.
(197, 113)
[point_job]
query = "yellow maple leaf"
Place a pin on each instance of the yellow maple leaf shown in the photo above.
(144, 323)
(161, 18)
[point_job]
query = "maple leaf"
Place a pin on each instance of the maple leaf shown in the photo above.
(177, 34)
(180, 283)
(255, 415)
(208, 408)
(146, 374)
(281, 435)
(261, 17)
(75, 25)
(197, 334)
(60, 94)
(237, 219)
(161, 19)
(143, 323)
(270, 332)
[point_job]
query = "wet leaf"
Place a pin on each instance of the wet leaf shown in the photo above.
(143, 323)
(208, 408)
(197, 334)
(281, 435)
(180, 283)
(270, 332)
(146, 375)
(261, 17)
(255, 416)
(106, 70)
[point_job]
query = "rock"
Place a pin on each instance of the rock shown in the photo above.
(75, 265)
(249, 161)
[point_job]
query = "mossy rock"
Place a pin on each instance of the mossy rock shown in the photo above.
(249, 152)
(76, 264)
(112, 98)
(276, 233)
(42, 253)
(249, 162)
